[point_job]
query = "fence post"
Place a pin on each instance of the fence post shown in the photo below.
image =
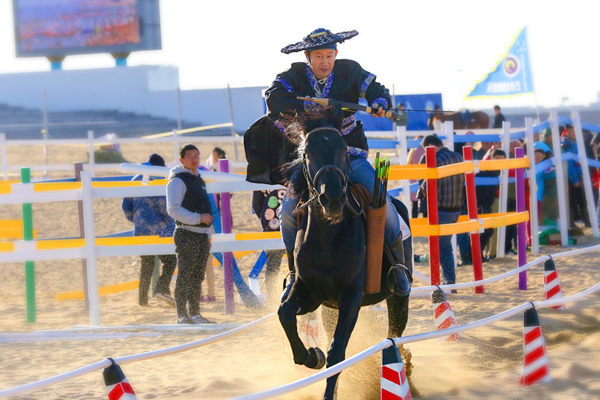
(402, 149)
(472, 211)
(503, 188)
(4, 156)
(92, 157)
(533, 204)
(560, 179)
(29, 265)
(228, 256)
(78, 170)
(521, 226)
(449, 131)
(432, 218)
(587, 180)
(90, 246)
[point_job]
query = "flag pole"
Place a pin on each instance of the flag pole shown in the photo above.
(537, 109)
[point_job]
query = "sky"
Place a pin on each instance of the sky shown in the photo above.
(413, 47)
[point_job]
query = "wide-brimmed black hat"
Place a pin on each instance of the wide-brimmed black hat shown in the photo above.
(319, 38)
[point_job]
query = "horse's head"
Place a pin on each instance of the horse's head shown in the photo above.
(325, 166)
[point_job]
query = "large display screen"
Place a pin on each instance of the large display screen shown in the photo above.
(63, 27)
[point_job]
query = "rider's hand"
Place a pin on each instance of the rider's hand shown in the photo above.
(206, 219)
(380, 111)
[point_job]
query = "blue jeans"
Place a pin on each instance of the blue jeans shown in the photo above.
(446, 255)
(362, 172)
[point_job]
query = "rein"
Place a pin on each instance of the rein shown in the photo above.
(314, 194)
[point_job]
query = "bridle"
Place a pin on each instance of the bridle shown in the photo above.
(313, 181)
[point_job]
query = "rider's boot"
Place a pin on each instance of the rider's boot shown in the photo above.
(292, 276)
(399, 276)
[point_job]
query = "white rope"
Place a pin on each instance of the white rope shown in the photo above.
(338, 367)
(515, 271)
(408, 339)
(123, 360)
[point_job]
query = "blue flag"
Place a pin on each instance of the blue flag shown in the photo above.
(512, 75)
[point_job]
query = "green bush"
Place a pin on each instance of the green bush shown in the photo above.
(103, 156)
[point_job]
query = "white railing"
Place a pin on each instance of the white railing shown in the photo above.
(90, 142)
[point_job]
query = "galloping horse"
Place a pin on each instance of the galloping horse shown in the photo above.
(473, 120)
(330, 254)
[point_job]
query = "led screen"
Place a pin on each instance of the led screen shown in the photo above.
(62, 27)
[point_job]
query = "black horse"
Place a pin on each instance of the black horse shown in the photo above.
(330, 253)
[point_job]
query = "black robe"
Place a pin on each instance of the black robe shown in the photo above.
(266, 142)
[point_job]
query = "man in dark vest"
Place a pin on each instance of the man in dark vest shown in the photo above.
(189, 206)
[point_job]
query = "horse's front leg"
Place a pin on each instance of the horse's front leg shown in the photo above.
(299, 302)
(349, 307)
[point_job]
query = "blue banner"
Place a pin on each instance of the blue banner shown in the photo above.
(417, 121)
(512, 75)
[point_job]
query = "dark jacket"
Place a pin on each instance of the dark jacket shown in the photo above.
(148, 214)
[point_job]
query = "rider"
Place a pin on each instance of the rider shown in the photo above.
(324, 76)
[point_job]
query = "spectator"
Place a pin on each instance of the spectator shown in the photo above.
(212, 162)
(403, 121)
(149, 216)
(483, 149)
(542, 153)
(266, 205)
(437, 110)
(577, 201)
(486, 196)
(451, 199)
(414, 156)
(498, 118)
(188, 204)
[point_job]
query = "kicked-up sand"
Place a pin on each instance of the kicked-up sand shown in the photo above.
(485, 364)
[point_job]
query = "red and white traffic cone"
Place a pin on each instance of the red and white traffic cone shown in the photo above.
(394, 383)
(117, 386)
(535, 359)
(552, 284)
(443, 314)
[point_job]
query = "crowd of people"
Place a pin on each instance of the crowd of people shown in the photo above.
(488, 194)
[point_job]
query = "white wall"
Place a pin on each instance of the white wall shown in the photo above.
(142, 89)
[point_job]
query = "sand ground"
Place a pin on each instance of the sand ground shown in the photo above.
(485, 364)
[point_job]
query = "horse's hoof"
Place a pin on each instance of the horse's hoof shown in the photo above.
(316, 359)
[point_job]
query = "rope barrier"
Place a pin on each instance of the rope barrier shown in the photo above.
(127, 359)
(409, 339)
(338, 367)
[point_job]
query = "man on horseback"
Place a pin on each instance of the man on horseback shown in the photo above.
(325, 76)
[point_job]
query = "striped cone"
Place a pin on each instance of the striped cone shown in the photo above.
(552, 284)
(117, 386)
(443, 314)
(535, 360)
(394, 383)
